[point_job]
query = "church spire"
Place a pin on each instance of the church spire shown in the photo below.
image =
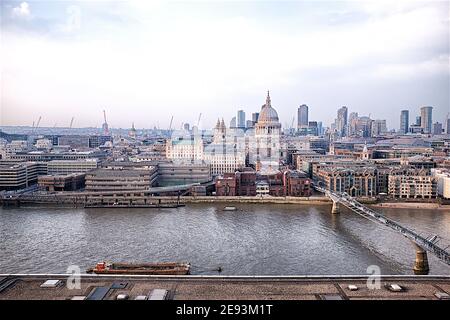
(268, 104)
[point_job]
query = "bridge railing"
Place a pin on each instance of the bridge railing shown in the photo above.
(371, 214)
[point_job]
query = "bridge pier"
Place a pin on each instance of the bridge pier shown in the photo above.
(335, 208)
(421, 263)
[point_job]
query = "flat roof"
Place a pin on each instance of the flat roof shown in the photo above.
(28, 287)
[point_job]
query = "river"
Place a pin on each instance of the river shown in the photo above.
(256, 240)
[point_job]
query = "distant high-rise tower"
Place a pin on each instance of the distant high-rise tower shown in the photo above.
(186, 126)
(404, 121)
(319, 128)
(437, 128)
(241, 119)
(341, 121)
(418, 120)
(302, 116)
(352, 123)
(255, 116)
(448, 125)
(233, 122)
(378, 128)
(426, 116)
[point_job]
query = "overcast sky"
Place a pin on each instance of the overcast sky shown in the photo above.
(145, 61)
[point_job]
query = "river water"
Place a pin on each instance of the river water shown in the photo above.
(256, 240)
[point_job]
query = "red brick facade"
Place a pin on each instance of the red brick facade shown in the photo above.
(243, 183)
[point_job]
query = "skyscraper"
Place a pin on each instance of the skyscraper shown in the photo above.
(319, 128)
(241, 119)
(341, 121)
(233, 122)
(418, 120)
(255, 116)
(352, 122)
(426, 117)
(302, 116)
(404, 121)
(378, 128)
(437, 128)
(448, 125)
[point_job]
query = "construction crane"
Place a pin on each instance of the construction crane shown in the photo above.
(37, 125)
(292, 125)
(71, 122)
(38, 122)
(170, 125)
(198, 122)
(105, 124)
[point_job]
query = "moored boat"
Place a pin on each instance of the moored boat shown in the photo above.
(163, 268)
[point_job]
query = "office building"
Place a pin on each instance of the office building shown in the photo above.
(378, 128)
(65, 167)
(341, 121)
(404, 121)
(255, 116)
(443, 182)
(70, 182)
(241, 119)
(20, 175)
(189, 149)
(437, 128)
(233, 123)
(120, 180)
(302, 116)
(426, 116)
(170, 173)
(405, 183)
(352, 123)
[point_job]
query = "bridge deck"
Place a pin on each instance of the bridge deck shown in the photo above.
(428, 244)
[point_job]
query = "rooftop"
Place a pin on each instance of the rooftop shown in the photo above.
(28, 287)
(118, 172)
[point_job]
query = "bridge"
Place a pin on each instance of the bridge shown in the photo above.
(422, 245)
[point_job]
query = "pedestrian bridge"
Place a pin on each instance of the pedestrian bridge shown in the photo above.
(422, 245)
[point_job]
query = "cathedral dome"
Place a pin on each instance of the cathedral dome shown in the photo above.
(268, 114)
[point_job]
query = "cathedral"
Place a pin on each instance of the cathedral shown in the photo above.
(266, 148)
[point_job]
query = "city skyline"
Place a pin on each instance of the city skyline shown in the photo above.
(72, 59)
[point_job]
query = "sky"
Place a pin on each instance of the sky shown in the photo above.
(146, 61)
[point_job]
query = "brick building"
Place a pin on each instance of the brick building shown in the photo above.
(279, 184)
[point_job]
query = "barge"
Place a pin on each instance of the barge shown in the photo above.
(162, 268)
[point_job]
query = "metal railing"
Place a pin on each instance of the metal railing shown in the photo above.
(366, 212)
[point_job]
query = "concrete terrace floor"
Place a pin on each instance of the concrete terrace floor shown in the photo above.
(27, 287)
